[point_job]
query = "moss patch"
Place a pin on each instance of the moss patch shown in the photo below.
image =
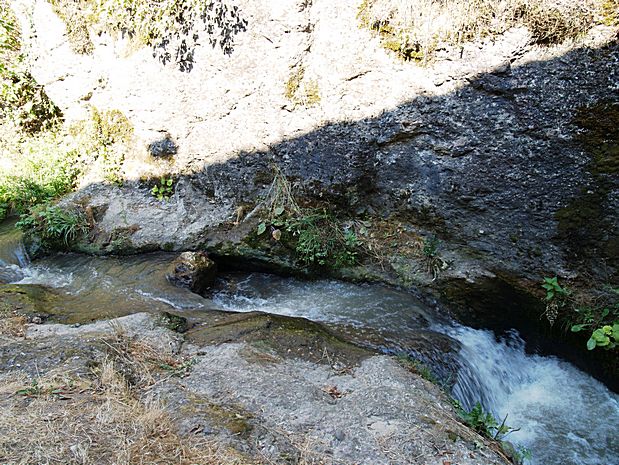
(586, 224)
(284, 336)
(302, 91)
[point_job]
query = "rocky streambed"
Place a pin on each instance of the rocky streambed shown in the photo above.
(283, 370)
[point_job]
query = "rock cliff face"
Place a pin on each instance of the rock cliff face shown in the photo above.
(496, 147)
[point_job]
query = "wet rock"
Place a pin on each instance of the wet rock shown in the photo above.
(193, 270)
(285, 336)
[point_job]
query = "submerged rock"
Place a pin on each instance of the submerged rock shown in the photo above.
(194, 271)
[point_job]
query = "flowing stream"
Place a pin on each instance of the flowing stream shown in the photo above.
(565, 416)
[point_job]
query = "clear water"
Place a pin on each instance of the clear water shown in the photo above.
(565, 416)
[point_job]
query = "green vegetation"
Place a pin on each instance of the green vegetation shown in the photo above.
(484, 422)
(55, 227)
(163, 190)
(172, 28)
(104, 138)
(417, 367)
(487, 425)
(317, 237)
(40, 170)
(556, 298)
(22, 101)
(610, 12)
(415, 29)
(596, 312)
(301, 91)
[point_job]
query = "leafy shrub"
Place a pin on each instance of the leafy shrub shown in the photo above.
(173, 28)
(22, 100)
(317, 237)
(484, 422)
(38, 171)
(54, 226)
(599, 315)
(556, 298)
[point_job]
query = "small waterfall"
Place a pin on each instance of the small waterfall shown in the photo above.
(13, 255)
(565, 416)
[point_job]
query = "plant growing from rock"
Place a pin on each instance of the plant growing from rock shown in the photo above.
(556, 298)
(164, 189)
(172, 28)
(53, 226)
(317, 237)
(302, 91)
(416, 29)
(22, 100)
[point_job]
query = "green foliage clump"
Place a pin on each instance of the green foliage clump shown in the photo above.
(602, 321)
(172, 28)
(164, 189)
(54, 226)
(317, 237)
(484, 422)
(22, 100)
(556, 298)
(41, 170)
(104, 138)
(600, 316)
(301, 91)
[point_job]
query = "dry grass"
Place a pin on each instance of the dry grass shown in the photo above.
(11, 323)
(416, 28)
(103, 419)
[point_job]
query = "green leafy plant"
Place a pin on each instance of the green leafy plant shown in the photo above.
(164, 190)
(556, 298)
(172, 28)
(484, 422)
(22, 100)
(54, 226)
(35, 171)
(553, 289)
(317, 237)
(606, 336)
(598, 315)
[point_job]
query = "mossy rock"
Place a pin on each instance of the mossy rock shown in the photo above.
(173, 322)
(284, 336)
(586, 223)
(29, 300)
